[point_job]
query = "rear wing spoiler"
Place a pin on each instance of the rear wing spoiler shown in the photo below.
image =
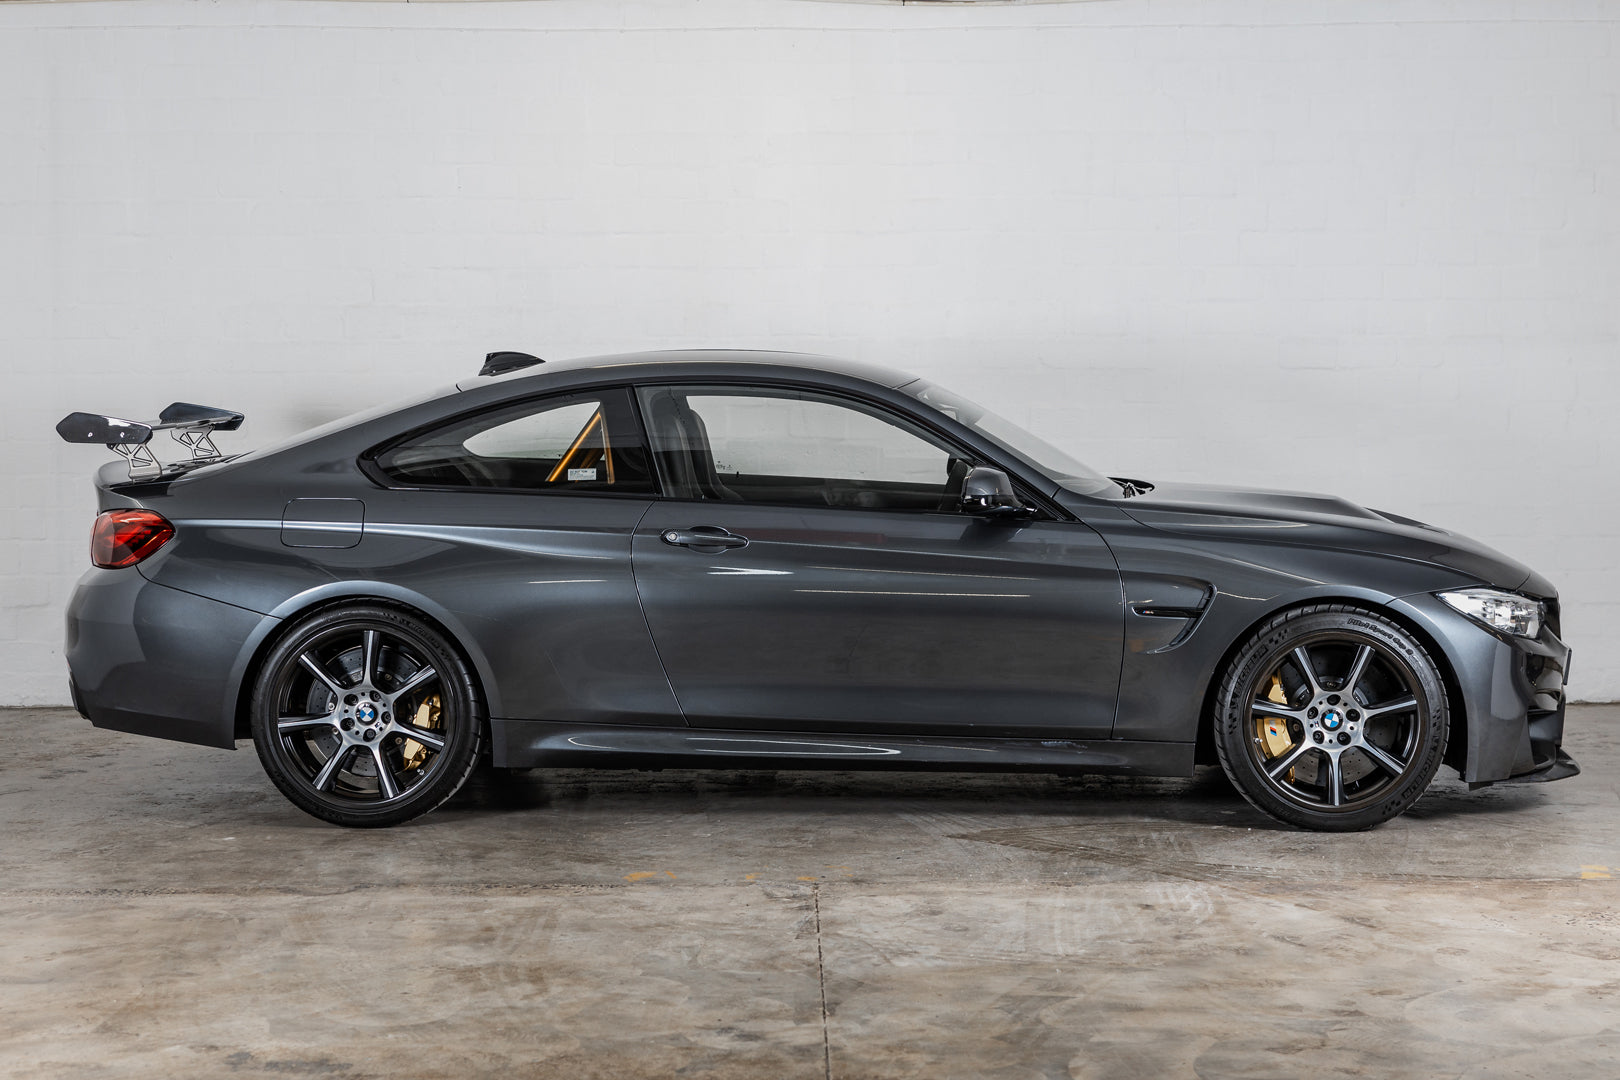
(192, 426)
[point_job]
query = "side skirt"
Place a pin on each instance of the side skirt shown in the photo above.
(538, 743)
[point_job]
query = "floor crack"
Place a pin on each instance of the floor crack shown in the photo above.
(821, 976)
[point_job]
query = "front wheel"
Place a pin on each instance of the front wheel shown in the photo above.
(366, 716)
(1332, 718)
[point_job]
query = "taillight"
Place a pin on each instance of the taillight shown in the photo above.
(125, 537)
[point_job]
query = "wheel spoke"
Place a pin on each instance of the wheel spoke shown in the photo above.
(1364, 656)
(1402, 705)
(1276, 769)
(368, 661)
(1303, 660)
(1271, 708)
(387, 786)
(299, 723)
(1384, 759)
(1335, 780)
(430, 739)
(413, 682)
(316, 669)
(329, 771)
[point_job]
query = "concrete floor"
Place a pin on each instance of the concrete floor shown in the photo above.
(167, 914)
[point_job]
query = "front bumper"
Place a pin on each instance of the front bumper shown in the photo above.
(1546, 670)
(1512, 695)
(152, 660)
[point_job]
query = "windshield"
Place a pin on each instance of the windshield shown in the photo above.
(1074, 475)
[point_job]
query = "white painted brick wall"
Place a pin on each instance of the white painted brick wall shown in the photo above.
(1371, 248)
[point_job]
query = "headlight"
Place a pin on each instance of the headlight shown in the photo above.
(1507, 612)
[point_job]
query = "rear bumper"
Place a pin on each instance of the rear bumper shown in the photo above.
(1512, 696)
(152, 660)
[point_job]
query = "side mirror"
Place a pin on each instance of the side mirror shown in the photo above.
(989, 493)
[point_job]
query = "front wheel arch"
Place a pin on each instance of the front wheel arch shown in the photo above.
(1456, 749)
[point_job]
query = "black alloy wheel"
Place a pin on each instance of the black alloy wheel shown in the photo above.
(1332, 718)
(366, 716)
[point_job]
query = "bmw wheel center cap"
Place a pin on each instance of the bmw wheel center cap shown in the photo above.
(1333, 720)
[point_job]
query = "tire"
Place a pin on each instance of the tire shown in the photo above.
(366, 716)
(1308, 750)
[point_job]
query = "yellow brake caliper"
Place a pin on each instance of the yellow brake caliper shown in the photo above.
(1273, 730)
(428, 715)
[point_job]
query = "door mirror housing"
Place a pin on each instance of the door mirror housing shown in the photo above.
(989, 493)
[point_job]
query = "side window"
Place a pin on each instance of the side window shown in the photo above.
(576, 442)
(797, 448)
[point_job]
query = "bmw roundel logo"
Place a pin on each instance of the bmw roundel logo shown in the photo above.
(1332, 719)
(365, 713)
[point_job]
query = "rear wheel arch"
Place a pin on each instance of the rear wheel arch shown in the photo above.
(289, 620)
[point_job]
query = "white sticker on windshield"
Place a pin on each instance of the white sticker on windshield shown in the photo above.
(582, 474)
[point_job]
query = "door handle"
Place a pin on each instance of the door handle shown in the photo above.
(703, 537)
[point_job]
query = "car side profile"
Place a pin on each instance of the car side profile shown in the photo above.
(762, 560)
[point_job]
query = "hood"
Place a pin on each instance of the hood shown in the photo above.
(1291, 517)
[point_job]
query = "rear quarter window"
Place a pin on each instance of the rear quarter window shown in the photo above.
(578, 442)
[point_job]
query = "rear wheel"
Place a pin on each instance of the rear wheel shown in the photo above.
(1332, 718)
(366, 716)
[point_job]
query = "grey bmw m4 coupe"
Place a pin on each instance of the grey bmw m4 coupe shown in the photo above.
(760, 560)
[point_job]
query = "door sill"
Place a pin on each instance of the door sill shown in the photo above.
(547, 744)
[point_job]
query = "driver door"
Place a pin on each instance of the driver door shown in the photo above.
(813, 571)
